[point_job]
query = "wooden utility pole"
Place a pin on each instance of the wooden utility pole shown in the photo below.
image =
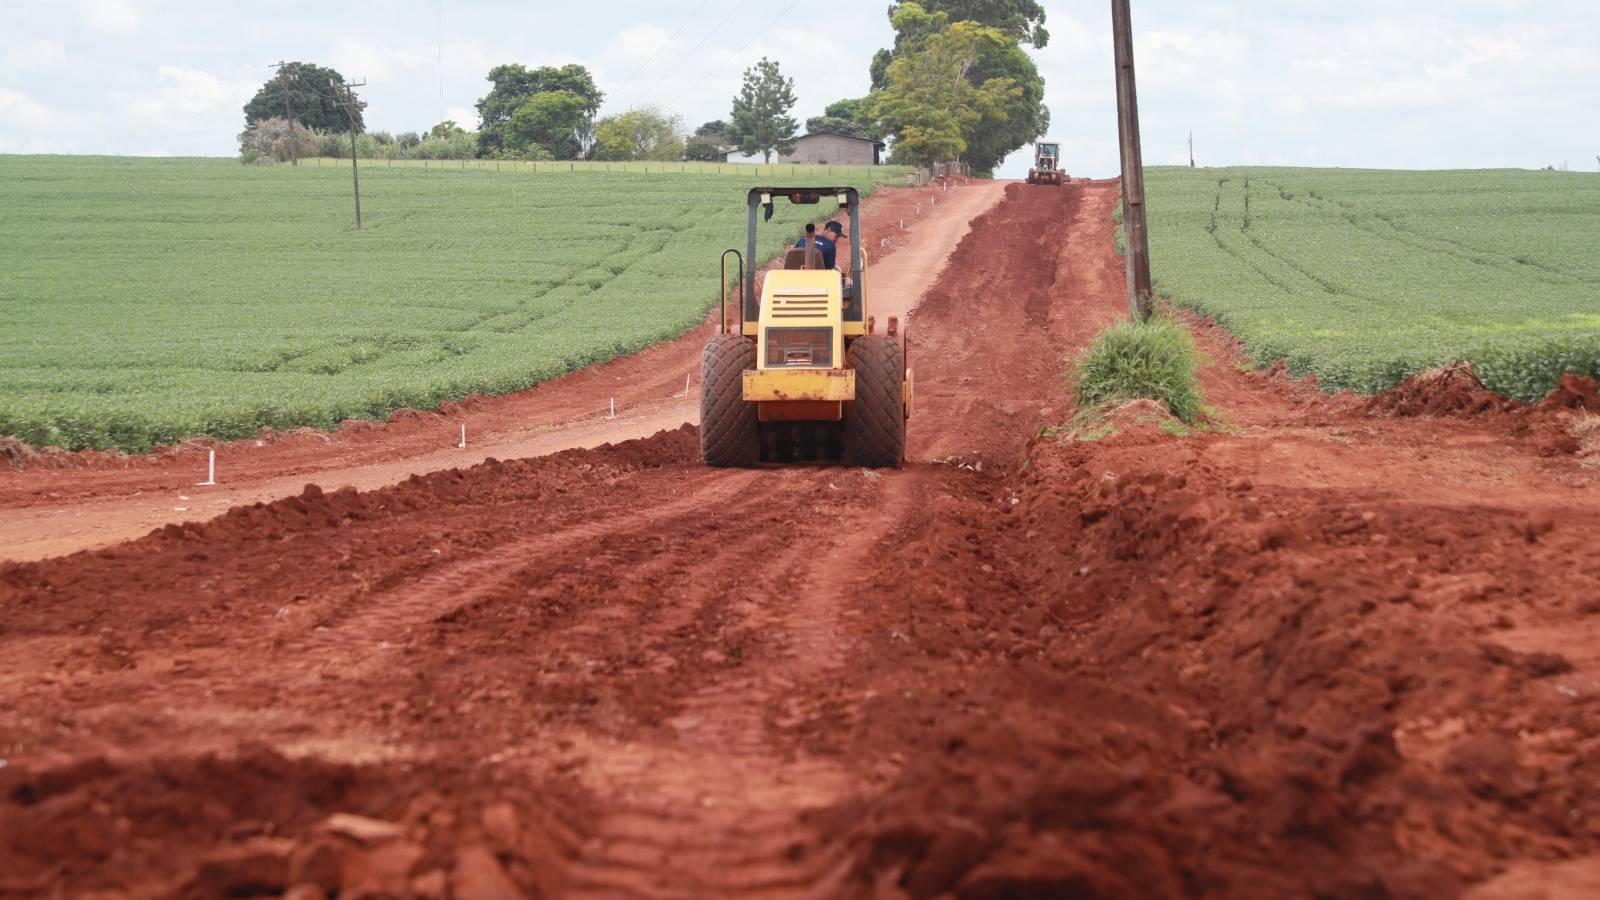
(288, 111)
(347, 101)
(1191, 148)
(1133, 218)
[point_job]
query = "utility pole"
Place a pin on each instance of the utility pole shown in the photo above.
(350, 105)
(1133, 218)
(288, 111)
(1191, 148)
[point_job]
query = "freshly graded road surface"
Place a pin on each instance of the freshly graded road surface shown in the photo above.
(1328, 648)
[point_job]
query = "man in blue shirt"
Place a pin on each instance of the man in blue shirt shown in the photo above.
(826, 242)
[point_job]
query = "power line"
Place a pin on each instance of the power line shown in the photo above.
(690, 55)
(734, 55)
(668, 41)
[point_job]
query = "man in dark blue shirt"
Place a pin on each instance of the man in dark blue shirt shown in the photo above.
(826, 242)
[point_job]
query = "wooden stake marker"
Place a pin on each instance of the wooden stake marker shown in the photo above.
(211, 471)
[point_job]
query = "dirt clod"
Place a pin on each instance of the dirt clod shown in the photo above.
(362, 829)
(1451, 391)
(479, 876)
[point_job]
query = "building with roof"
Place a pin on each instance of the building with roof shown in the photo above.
(828, 148)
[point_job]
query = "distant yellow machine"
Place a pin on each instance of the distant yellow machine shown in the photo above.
(1047, 165)
(804, 375)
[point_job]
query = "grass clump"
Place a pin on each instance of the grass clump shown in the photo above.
(1153, 360)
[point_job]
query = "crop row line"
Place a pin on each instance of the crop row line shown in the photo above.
(1428, 243)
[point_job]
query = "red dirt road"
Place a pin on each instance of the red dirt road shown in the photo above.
(1327, 651)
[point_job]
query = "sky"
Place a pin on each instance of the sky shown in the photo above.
(1420, 84)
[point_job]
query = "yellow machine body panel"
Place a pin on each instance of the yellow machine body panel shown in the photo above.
(800, 344)
(799, 384)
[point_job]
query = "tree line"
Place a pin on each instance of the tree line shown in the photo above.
(956, 85)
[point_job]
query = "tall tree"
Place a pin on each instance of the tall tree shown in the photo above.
(836, 125)
(931, 104)
(312, 101)
(845, 117)
(645, 133)
(558, 121)
(1020, 19)
(997, 107)
(514, 85)
(1021, 119)
(760, 122)
(716, 130)
(709, 143)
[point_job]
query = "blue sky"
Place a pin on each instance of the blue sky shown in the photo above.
(1420, 84)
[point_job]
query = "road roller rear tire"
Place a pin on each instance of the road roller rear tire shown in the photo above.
(875, 422)
(730, 436)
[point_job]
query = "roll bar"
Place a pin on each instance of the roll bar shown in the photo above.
(764, 197)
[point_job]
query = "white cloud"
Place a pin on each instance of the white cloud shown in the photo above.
(109, 16)
(36, 54)
(17, 108)
(186, 94)
(364, 60)
(466, 118)
(361, 60)
(700, 86)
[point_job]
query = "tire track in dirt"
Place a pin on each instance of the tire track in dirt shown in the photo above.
(722, 773)
(449, 588)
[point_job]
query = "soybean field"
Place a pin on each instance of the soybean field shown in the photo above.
(149, 300)
(1365, 277)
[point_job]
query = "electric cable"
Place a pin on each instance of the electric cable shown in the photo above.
(690, 55)
(664, 45)
(734, 55)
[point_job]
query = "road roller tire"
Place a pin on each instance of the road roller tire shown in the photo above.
(875, 422)
(729, 433)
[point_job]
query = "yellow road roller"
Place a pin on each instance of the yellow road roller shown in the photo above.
(803, 374)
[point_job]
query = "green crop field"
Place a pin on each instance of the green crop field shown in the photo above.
(1365, 277)
(145, 301)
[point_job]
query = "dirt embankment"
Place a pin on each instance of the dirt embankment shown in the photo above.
(1325, 652)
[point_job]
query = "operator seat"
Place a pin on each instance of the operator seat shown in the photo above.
(807, 257)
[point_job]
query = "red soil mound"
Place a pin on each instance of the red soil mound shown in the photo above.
(1451, 391)
(256, 823)
(1574, 393)
(1285, 697)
